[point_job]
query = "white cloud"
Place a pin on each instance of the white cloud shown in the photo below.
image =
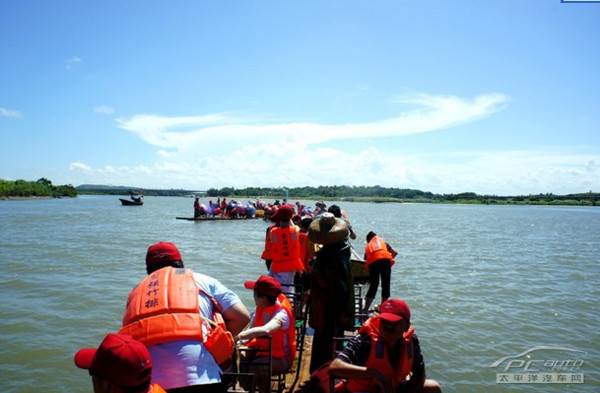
(80, 167)
(4, 112)
(357, 91)
(192, 132)
(72, 62)
(222, 150)
(105, 110)
(515, 172)
(493, 173)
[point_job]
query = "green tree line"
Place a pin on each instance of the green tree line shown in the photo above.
(39, 188)
(391, 194)
(329, 192)
(355, 193)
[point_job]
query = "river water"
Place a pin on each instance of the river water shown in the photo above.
(483, 283)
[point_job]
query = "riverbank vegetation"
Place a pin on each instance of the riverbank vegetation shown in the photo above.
(384, 194)
(44, 188)
(41, 188)
(357, 194)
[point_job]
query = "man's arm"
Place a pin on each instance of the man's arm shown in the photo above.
(343, 369)
(236, 318)
(391, 250)
(267, 329)
(350, 363)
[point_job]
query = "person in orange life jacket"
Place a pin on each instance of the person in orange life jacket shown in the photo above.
(167, 312)
(331, 287)
(119, 365)
(307, 252)
(385, 357)
(223, 206)
(339, 213)
(307, 246)
(197, 210)
(273, 317)
(267, 251)
(285, 249)
(379, 257)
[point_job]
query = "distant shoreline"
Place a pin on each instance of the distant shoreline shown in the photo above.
(24, 198)
(514, 201)
(375, 194)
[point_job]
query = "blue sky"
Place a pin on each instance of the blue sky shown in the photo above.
(492, 97)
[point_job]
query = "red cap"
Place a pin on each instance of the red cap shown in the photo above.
(394, 310)
(119, 358)
(162, 252)
(285, 212)
(265, 285)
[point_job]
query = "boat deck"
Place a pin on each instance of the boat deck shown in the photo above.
(300, 370)
(292, 380)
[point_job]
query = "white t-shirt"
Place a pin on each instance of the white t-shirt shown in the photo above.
(283, 316)
(285, 320)
(187, 362)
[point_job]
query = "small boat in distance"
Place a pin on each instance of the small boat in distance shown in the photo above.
(130, 202)
(134, 200)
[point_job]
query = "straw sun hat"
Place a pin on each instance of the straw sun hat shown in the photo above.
(328, 230)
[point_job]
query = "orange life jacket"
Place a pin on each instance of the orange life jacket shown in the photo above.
(285, 302)
(379, 359)
(376, 250)
(266, 254)
(157, 389)
(164, 307)
(305, 253)
(264, 315)
(285, 250)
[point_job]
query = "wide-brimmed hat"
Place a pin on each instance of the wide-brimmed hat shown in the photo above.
(328, 229)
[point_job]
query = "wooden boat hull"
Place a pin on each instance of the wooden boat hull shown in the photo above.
(216, 218)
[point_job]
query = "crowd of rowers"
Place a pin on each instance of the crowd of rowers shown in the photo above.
(180, 328)
(225, 209)
(237, 209)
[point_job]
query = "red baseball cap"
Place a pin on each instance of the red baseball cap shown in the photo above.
(162, 252)
(119, 358)
(394, 310)
(285, 212)
(265, 285)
